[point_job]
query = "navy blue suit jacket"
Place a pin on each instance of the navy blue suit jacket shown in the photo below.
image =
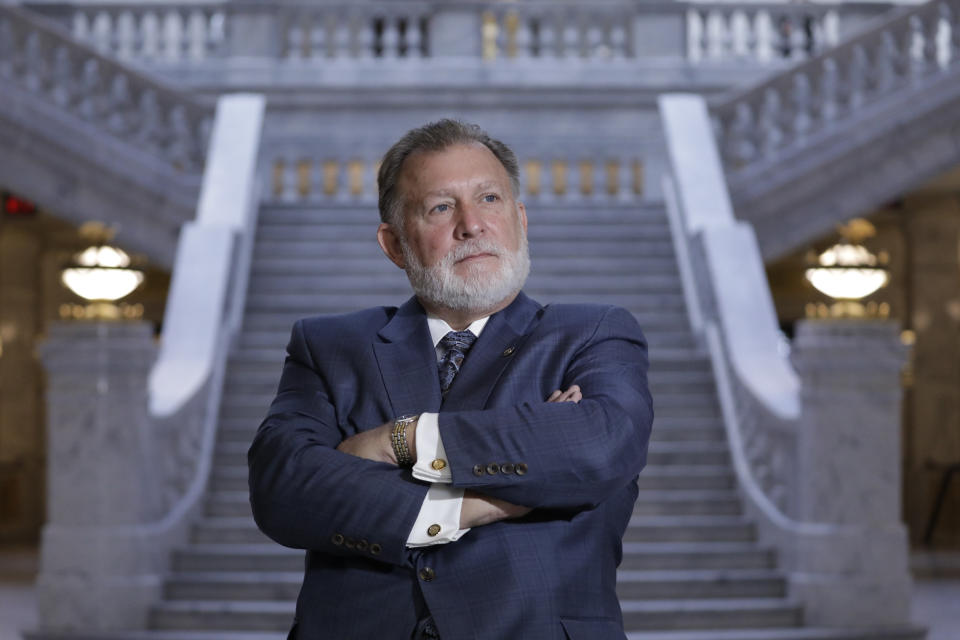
(549, 575)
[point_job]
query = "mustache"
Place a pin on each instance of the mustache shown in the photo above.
(472, 248)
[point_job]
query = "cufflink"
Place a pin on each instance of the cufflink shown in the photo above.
(433, 530)
(438, 464)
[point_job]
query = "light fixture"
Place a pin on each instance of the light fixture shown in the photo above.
(848, 271)
(100, 274)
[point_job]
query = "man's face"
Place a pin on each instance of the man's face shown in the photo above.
(463, 243)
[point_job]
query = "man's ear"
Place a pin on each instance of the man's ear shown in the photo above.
(390, 243)
(522, 212)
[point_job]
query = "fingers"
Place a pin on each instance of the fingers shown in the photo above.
(573, 394)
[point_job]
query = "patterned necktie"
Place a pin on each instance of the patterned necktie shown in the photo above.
(455, 345)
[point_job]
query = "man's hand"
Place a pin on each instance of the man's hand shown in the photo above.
(376, 444)
(478, 510)
(572, 394)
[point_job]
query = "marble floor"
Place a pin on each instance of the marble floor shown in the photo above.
(936, 597)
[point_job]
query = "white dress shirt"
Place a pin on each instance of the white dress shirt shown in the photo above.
(439, 519)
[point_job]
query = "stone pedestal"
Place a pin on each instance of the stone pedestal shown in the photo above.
(101, 478)
(848, 464)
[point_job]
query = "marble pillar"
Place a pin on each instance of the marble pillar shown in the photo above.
(848, 463)
(101, 478)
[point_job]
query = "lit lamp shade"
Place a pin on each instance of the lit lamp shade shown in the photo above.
(847, 272)
(102, 273)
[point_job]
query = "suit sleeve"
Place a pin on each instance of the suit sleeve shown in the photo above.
(305, 494)
(563, 455)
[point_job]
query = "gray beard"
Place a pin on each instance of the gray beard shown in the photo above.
(475, 292)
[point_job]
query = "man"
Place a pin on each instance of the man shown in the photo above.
(463, 466)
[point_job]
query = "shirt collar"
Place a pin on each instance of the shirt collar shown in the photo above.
(439, 328)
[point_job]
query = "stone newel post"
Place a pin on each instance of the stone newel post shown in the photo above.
(848, 466)
(100, 480)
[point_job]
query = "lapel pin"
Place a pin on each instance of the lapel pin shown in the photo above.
(507, 351)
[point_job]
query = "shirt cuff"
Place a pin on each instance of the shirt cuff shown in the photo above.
(431, 465)
(439, 519)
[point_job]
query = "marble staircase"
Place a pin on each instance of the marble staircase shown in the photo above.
(692, 567)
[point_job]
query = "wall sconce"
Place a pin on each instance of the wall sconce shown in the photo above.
(101, 274)
(849, 272)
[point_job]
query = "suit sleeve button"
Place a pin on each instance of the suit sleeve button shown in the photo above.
(375, 549)
(521, 468)
(493, 469)
(362, 544)
(337, 539)
(507, 468)
(478, 469)
(427, 574)
(350, 543)
(433, 530)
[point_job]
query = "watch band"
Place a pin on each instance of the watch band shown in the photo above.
(398, 439)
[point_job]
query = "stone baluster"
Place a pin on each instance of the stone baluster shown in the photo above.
(318, 37)
(391, 37)
(572, 192)
(288, 178)
(828, 91)
(848, 453)
(618, 39)
(930, 29)
(294, 37)
(764, 35)
(802, 106)
(80, 26)
(370, 181)
(341, 37)
(63, 79)
(366, 38)
(256, 30)
(548, 37)
(343, 181)
(196, 32)
(857, 74)
(413, 36)
(596, 47)
(102, 477)
(524, 36)
(100, 28)
(625, 179)
(172, 36)
(125, 34)
(571, 37)
(149, 35)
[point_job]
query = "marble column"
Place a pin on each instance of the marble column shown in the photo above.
(854, 572)
(101, 472)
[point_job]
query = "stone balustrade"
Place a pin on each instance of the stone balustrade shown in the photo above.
(820, 95)
(530, 30)
(814, 437)
(75, 77)
(297, 176)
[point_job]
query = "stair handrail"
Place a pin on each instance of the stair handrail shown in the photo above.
(909, 44)
(731, 310)
(833, 570)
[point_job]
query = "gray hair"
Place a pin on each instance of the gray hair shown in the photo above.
(435, 136)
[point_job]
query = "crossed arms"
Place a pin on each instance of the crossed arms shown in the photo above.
(305, 491)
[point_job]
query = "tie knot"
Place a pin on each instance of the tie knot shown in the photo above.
(458, 340)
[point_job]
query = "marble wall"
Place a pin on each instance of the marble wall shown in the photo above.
(921, 232)
(33, 250)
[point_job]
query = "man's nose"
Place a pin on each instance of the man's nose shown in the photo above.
(469, 222)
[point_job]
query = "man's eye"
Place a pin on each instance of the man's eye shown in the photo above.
(491, 197)
(442, 208)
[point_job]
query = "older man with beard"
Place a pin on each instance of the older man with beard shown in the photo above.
(462, 466)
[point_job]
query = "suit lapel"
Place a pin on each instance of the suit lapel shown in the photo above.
(490, 355)
(408, 361)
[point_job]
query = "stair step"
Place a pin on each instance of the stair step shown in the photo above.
(709, 613)
(237, 557)
(228, 615)
(228, 530)
(697, 528)
(686, 434)
(692, 477)
(687, 502)
(668, 585)
(688, 453)
(648, 556)
(233, 585)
